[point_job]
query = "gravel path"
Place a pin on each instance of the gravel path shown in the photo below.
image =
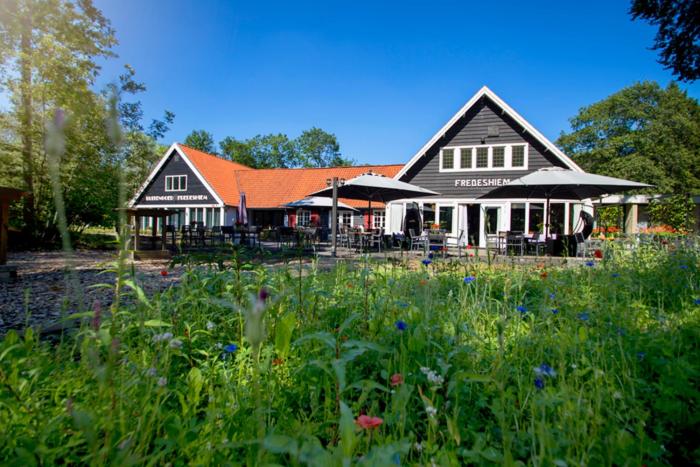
(43, 292)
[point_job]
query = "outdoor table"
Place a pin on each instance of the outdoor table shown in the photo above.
(436, 242)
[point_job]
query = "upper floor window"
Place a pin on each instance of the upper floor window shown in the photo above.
(484, 158)
(448, 158)
(176, 183)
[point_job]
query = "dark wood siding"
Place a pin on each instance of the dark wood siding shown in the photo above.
(470, 130)
(175, 165)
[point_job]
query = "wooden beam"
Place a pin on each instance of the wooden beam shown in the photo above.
(137, 231)
(164, 232)
(4, 224)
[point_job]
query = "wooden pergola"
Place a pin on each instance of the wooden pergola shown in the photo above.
(7, 195)
(155, 213)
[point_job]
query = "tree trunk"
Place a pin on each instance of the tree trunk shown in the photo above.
(26, 120)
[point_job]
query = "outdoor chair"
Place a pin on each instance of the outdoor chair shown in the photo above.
(217, 234)
(185, 234)
(459, 242)
(515, 243)
(342, 238)
(581, 247)
(376, 239)
(418, 241)
(540, 244)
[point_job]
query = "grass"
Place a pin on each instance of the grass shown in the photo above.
(587, 365)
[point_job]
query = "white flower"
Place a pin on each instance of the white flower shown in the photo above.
(162, 381)
(430, 410)
(418, 446)
(617, 395)
(210, 326)
(219, 345)
(152, 372)
(166, 336)
(176, 344)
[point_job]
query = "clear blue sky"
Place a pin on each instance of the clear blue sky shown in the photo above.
(382, 76)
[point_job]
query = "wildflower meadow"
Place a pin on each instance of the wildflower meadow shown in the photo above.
(437, 362)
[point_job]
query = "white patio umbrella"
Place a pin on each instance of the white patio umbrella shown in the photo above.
(373, 187)
(558, 183)
(317, 202)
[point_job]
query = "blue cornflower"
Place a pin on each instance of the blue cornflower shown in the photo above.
(641, 355)
(231, 348)
(615, 274)
(469, 279)
(402, 304)
(555, 311)
(552, 295)
(583, 316)
(401, 325)
(431, 255)
(426, 262)
(683, 266)
(539, 383)
(696, 301)
(521, 309)
(545, 370)
(590, 264)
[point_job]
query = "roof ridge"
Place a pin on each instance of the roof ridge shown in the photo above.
(215, 156)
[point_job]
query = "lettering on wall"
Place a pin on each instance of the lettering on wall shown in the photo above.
(177, 198)
(477, 182)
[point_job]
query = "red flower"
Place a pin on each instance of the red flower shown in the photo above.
(598, 254)
(368, 423)
(543, 274)
(164, 272)
(469, 246)
(277, 362)
(396, 379)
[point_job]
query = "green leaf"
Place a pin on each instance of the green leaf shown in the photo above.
(156, 323)
(283, 334)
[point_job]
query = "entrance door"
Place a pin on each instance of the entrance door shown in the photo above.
(473, 223)
(492, 224)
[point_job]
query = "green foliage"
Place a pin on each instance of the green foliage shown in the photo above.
(157, 382)
(643, 133)
(202, 140)
(678, 35)
(675, 211)
(313, 148)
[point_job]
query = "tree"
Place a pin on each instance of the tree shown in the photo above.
(643, 133)
(48, 52)
(317, 148)
(202, 140)
(678, 36)
(313, 148)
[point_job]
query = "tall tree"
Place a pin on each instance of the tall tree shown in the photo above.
(318, 148)
(238, 151)
(678, 36)
(643, 132)
(48, 49)
(202, 140)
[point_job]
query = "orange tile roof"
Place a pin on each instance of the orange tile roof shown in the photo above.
(271, 188)
(217, 172)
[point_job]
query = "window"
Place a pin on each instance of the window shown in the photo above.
(448, 158)
(536, 218)
(378, 218)
(428, 216)
(176, 183)
(498, 156)
(303, 218)
(517, 217)
(465, 161)
(345, 218)
(482, 157)
(518, 156)
(446, 218)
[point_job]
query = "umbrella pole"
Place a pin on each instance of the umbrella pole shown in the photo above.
(546, 219)
(334, 221)
(369, 215)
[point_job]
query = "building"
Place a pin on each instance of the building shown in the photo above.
(484, 145)
(201, 187)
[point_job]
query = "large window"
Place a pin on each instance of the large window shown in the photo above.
(428, 216)
(378, 218)
(176, 183)
(536, 218)
(303, 218)
(517, 217)
(446, 218)
(448, 158)
(484, 157)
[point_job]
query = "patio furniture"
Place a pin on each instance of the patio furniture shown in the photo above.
(376, 238)
(459, 241)
(418, 241)
(437, 242)
(515, 243)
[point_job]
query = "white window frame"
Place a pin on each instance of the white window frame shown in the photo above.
(379, 214)
(345, 213)
(171, 179)
(299, 216)
(507, 163)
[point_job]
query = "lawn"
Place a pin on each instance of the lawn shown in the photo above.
(449, 363)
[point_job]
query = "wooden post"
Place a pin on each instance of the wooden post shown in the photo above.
(164, 232)
(4, 223)
(137, 231)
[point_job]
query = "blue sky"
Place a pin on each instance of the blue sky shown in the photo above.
(382, 76)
